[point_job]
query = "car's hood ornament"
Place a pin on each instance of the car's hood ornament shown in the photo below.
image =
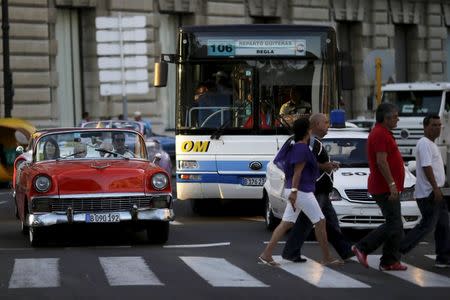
(95, 166)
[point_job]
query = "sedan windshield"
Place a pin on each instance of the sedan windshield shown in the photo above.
(90, 145)
(348, 152)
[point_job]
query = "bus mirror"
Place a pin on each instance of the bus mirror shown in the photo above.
(161, 69)
(347, 77)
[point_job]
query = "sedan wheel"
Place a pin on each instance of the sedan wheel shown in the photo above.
(271, 220)
(158, 232)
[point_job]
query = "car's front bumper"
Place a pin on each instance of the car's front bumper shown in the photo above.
(54, 218)
(368, 215)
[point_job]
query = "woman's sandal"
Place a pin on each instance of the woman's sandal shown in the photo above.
(271, 263)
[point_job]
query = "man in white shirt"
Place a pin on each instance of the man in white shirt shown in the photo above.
(430, 176)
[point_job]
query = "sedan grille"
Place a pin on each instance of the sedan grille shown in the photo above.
(359, 196)
(362, 220)
(104, 204)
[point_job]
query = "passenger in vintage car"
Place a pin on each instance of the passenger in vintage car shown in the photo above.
(51, 149)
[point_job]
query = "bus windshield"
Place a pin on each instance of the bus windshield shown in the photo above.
(414, 103)
(257, 94)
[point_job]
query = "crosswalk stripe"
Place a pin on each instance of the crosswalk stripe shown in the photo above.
(319, 275)
(35, 273)
(414, 275)
(128, 270)
(220, 273)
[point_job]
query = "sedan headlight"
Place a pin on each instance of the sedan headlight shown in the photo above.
(335, 196)
(42, 183)
(407, 194)
(160, 181)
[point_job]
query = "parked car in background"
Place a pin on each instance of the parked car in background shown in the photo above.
(363, 123)
(167, 142)
(92, 175)
(354, 206)
(14, 132)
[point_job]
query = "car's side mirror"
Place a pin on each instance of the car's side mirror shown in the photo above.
(156, 158)
(19, 150)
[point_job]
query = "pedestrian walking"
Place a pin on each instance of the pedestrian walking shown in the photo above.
(430, 177)
(387, 174)
(324, 186)
(301, 171)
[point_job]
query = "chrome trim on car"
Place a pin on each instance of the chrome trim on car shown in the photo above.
(48, 219)
(100, 195)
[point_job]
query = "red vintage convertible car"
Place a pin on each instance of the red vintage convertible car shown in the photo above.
(92, 175)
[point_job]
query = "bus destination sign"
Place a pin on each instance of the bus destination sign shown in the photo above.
(256, 47)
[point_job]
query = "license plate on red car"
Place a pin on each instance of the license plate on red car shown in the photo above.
(103, 218)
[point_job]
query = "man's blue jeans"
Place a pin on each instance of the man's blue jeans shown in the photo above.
(434, 216)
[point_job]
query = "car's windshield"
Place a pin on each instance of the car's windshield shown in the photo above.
(90, 145)
(414, 103)
(348, 152)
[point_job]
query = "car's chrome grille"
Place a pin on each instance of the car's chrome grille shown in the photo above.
(358, 196)
(104, 204)
(362, 219)
(100, 204)
(413, 134)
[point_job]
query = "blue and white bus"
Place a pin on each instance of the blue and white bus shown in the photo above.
(231, 82)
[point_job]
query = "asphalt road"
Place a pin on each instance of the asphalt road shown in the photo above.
(206, 257)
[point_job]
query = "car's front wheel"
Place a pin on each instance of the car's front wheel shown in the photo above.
(270, 219)
(158, 231)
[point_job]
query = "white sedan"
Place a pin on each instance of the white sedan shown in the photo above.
(354, 207)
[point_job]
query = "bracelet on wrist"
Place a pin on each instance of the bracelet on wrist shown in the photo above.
(392, 183)
(294, 190)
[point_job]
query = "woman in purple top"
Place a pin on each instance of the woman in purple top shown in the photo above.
(301, 171)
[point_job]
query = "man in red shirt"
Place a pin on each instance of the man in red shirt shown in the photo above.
(385, 184)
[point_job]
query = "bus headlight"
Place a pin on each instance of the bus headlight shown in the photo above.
(160, 181)
(187, 164)
(335, 196)
(42, 183)
(407, 194)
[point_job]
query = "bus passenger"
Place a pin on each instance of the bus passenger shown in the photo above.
(213, 107)
(295, 107)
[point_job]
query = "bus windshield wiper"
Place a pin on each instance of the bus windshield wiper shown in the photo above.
(218, 132)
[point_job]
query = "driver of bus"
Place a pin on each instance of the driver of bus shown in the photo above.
(295, 107)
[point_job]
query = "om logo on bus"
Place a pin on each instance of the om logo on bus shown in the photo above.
(197, 146)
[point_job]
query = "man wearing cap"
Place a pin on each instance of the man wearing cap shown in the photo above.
(147, 124)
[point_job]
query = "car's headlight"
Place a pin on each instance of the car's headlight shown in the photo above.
(42, 183)
(160, 181)
(407, 194)
(335, 196)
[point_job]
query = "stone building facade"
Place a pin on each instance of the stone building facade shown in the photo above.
(55, 69)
